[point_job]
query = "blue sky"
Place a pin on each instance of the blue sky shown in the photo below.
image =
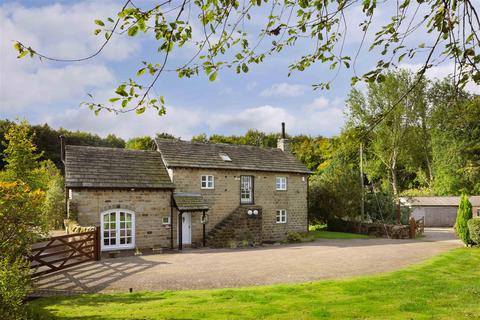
(51, 92)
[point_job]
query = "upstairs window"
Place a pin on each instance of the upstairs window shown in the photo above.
(246, 189)
(281, 183)
(281, 216)
(207, 182)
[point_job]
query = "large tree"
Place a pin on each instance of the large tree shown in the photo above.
(223, 36)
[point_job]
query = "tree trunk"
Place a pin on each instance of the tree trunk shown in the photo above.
(393, 172)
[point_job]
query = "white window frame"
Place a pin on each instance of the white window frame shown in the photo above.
(281, 183)
(281, 216)
(206, 182)
(117, 230)
(166, 222)
(247, 190)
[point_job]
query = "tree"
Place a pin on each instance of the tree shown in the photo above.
(164, 135)
(392, 144)
(225, 40)
(20, 156)
(455, 135)
(54, 204)
(140, 143)
(463, 215)
(21, 224)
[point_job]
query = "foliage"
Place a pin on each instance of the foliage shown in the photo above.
(14, 286)
(47, 140)
(54, 205)
(455, 140)
(463, 215)
(140, 143)
(294, 237)
(321, 232)
(383, 207)
(21, 216)
(228, 27)
(334, 193)
(474, 230)
(20, 156)
(395, 144)
(368, 297)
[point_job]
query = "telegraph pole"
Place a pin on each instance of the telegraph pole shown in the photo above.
(361, 180)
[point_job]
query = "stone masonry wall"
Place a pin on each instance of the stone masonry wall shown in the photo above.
(225, 198)
(149, 207)
(238, 228)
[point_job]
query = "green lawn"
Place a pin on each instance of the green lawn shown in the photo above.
(445, 287)
(320, 232)
(323, 234)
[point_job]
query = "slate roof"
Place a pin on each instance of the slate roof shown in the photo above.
(99, 167)
(438, 201)
(184, 154)
(189, 201)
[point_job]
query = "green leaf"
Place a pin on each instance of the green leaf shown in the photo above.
(112, 100)
(17, 46)
(97, 31)
(213, 76)
(22, 54)
(133, 31)
(121, 91)
(244, 68)
(140, 72)
(99, 22)
(140, 110)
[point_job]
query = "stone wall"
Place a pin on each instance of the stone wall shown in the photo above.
(238, 229)
(149, 207)
(225, 198)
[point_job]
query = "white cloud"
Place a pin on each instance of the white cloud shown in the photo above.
(322, 116)
(266, 118)
(284, 90)
(60, 31)
(178, 121)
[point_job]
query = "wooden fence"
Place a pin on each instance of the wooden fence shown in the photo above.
(61, 252)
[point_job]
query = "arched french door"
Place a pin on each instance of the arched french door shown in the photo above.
(118, 229)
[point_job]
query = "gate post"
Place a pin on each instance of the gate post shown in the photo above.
(98, 238)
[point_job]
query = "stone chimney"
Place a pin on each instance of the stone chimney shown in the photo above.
(282, 143)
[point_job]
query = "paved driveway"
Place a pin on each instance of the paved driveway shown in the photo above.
(201, 269)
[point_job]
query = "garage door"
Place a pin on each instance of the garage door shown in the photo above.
(440, 216)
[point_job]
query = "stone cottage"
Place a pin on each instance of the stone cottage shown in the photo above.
(187, 194)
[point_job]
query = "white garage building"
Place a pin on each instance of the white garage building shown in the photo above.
(438, 211)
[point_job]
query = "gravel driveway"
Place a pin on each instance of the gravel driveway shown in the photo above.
(219, 268)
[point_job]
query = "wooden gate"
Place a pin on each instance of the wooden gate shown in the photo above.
(57, 253)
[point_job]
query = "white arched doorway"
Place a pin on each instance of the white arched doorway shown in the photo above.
(118, 229)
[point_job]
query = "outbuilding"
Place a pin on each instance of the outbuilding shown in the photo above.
(438, 211)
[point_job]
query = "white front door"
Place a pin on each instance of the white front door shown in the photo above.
(187, 228)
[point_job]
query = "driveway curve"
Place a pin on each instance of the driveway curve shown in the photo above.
(221, 268)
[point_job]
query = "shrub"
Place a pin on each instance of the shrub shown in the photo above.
(294, 237)
(474, 230)
(463, 215)
(13, 288)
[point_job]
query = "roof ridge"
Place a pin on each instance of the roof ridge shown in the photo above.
(109, 148)
(217, 143)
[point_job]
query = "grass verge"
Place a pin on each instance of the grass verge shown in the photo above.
(444, 287)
